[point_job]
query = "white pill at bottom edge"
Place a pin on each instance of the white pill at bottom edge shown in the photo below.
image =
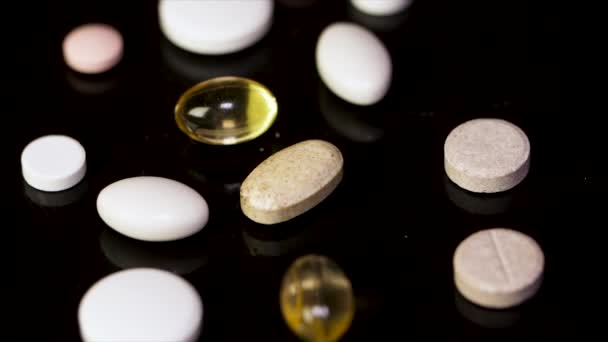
(498, 268)
(353, 63)
(141, 304)
(152, 208)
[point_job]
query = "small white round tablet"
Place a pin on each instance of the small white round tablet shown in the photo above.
(381, 7)
(498, 268)
(93, 48)
(53, 163)
(487, 155)
(353, 63)
(141, 304)
(215, 27)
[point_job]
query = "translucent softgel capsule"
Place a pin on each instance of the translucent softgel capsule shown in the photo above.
(226, 111)
(317, 299)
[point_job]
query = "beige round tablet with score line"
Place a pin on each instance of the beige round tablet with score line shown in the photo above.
(498, 268)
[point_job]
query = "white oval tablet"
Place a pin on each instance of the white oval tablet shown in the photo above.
(381, 7)
(215, 26)
(141, 304)
(53, 163)
(152, 208)
(498, 268)
(353, 63)
(93, 48)
(291, 181)
(487, 155)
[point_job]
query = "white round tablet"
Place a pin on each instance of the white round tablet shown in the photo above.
(381, 7)
(152, 208)
(353, 63)
(498, 268)
(141, 304)
(487, 155)
(53, 163)
(215, 27)
(93, 48)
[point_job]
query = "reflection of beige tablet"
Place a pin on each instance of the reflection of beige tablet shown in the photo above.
(478, 204)
(486, 318)
(487, 155)
(498, 268)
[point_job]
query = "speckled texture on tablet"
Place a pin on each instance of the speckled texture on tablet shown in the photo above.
(498, 268)
(487, 155)
(291, 181)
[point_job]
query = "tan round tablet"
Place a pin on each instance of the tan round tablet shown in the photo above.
(487, 155)
(291, 181)
(498, 268)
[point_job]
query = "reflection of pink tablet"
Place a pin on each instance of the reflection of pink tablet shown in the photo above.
(92, 48)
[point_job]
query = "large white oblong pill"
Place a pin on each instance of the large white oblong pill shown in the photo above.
(353, 63)
(215, 27)
(291, 181)
(152, 208)
(487, 155)
(141, 304)
(498, 268)
(381, 7)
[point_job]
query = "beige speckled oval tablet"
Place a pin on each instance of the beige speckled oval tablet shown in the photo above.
(498, 268)
(291, 181)
(487, 155)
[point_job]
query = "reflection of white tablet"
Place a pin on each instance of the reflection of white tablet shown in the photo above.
(141, 304)
(215, 27)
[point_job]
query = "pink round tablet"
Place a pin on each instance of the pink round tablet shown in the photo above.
(93, 48)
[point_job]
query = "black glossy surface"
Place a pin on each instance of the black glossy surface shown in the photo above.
(393, 223)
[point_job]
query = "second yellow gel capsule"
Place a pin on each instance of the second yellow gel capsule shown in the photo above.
(317, 299)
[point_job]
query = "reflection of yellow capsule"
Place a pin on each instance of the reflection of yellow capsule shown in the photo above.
(226, 111)
(317, 299)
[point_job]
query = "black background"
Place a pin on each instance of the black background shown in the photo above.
(392, 224)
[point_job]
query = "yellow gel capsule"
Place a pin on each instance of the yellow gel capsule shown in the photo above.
(226, 111)
(317, 299)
